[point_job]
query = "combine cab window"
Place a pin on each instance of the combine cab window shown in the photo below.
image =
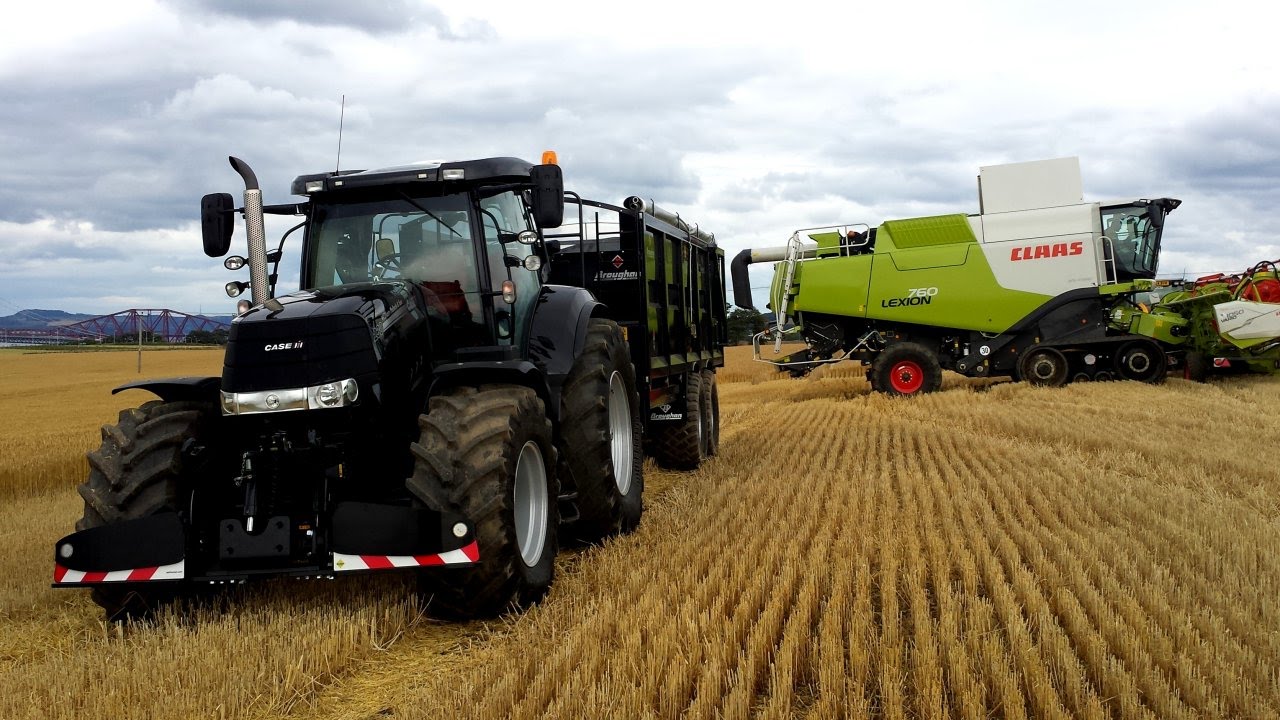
(1132, 241)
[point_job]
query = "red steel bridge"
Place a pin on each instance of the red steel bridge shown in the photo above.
(157, 324)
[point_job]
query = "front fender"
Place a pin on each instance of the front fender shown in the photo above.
(558, 330)
(177, 389)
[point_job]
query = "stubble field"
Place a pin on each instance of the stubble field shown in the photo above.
(992, 550)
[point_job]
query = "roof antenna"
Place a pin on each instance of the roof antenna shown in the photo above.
(342, 114)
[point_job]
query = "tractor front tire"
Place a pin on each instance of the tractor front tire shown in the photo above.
(600, 435)
(137, 472)
(680, 446)
(487, 454)
(905, 369)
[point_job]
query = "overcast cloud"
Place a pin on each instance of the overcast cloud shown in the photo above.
(117, 117)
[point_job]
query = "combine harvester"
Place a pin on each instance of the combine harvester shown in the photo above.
(1039, 285)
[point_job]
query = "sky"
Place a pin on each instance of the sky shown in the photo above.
(751, 120)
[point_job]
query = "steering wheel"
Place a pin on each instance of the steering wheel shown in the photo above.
(385, 263)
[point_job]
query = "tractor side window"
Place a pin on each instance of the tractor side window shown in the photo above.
(504, 215)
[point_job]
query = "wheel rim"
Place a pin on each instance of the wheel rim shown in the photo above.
(1044, 368)
(531, 503)
(906, 377)
(620, 443)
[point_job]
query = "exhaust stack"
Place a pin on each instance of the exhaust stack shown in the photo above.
(256, 230)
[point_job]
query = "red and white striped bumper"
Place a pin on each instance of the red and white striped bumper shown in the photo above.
(64, 576)
(462, 556)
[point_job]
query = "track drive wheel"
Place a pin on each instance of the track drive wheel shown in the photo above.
(905, 368)
(1044, 366)
(141, 469)
(1141, 360)
(710, 414)
(487, 453)
(600, 435)
(680, 445)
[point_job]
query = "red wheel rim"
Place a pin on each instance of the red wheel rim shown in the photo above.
(906, 377)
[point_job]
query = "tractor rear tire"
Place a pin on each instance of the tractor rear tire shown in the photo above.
(710, 414)
(138, 471)
(600, 435)
(680, 446)
(487, 454)
(905, 369)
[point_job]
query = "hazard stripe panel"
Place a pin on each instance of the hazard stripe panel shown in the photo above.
(462, 556)
(63, 576)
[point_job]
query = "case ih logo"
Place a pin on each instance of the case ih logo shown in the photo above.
(617, 262)
(1051, 250)
(297, 345)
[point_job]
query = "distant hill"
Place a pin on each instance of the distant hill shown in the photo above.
(41, 319)
(44, 319)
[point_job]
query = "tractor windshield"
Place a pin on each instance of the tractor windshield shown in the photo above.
(1132, 237)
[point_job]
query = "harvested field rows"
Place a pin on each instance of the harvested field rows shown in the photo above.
(993, 550)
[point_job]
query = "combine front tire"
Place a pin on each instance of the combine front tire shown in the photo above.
(600, 435)
(681, 445)
(905, 368)
(487, 454)
(137, 472)
(1195, 366)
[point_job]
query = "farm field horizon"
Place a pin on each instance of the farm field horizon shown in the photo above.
(1101, 550)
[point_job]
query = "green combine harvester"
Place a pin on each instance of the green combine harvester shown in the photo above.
(1039, 285)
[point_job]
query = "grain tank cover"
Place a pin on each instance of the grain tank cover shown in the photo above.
(1030, 185)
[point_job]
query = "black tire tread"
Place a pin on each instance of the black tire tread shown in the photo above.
(135, 473)
(676, 446)
(460, 464)
(586, 457)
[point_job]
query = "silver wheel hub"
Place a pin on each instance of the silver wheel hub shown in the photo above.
(620, 439)
(531, 504)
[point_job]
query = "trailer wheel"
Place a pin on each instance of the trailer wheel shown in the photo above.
(1195, 366)
(1045, 366)
(905, 368)
(680, 446)
(487, 454)
(710, 413)
(138, 471)
(1142, 360)
(600, 435)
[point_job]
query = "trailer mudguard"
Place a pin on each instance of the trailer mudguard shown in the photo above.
(178, 389)
(146, 549)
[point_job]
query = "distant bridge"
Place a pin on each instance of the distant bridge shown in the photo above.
(160, 324)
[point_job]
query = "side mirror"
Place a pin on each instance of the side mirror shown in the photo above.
(548, 195)
(217, 222)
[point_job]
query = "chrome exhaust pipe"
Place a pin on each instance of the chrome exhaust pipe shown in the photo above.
(256, 230)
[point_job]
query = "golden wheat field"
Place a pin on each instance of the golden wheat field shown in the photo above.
(1107, 550)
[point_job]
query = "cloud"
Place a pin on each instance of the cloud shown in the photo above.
(382, 18)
